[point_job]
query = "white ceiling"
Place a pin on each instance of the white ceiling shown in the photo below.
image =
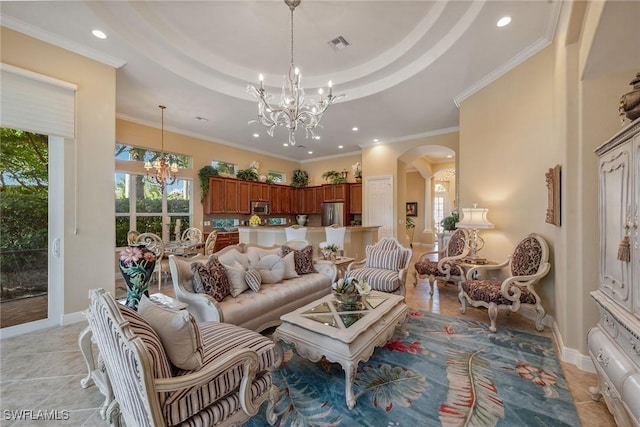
(407, 65)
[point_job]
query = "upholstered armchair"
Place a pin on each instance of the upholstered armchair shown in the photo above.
(385, 266)
(527, 264)
(445, 269)
(215, 374)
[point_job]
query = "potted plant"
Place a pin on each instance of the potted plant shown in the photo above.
(300, 178)
(356, 168)
(247, 174)
(203, 175)
(331, 176)
(449, 223)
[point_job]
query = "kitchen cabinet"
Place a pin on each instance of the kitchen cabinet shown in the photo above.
(227, 195)
(335, 192)
(259, 191)
(281, 199)
(225, 239)
(355, 198)
(312, 200)
(614, 343)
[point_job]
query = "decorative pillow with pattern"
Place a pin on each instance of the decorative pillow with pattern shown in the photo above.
(384, 259)
(253, 279)
(303, 259)
(211, 278)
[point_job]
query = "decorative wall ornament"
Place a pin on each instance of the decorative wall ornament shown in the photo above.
(553, 187)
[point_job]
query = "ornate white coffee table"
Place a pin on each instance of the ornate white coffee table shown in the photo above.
(346, 335)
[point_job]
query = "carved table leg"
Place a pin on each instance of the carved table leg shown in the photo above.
(349, 378)
(403, 326)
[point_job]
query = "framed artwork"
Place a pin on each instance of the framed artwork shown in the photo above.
(412, 208)
(553, 202)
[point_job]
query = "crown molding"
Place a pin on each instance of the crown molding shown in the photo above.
(416, 136)
(46, 36)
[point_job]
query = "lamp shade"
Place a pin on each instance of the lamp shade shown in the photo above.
(474, 218)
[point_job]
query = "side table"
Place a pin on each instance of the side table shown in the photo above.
(465, 266)
(341, 264)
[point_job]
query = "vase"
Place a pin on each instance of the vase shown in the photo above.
(349, 302)
(630, 102)
(136, 265)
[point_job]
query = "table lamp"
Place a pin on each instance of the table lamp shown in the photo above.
(475, 219)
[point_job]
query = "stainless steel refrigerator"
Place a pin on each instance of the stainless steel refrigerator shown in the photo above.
(332, 213)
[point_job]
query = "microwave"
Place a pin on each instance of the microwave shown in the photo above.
(260, 207)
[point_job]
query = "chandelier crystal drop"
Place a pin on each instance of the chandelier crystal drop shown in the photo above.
(293, 110)
(164, 173)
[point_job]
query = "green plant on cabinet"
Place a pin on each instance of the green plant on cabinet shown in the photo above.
(203, 175)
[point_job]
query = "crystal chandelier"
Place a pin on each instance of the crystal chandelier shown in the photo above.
(293, 110)
(164, 172)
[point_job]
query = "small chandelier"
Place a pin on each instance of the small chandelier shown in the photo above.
(293, 110)
(164, 172)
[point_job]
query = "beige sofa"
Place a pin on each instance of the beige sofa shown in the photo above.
(253, 310)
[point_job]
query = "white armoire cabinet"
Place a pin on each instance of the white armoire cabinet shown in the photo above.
(614, 344)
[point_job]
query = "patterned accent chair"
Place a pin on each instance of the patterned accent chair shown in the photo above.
(385, 267)
(526, 266)
(445, 268)
(146, 389)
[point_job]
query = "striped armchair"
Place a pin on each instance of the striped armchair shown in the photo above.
(385, 267)
(146, 389)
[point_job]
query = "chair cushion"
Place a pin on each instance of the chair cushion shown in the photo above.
(220, 339)
(387, 259)
(303, 259)
(211, 278)
(379, 279)
(178, 333)
(151, 340)
(456, 244)
(253, 279)
(271, 269)
(428, 268)
(489, 291)
(527, 257)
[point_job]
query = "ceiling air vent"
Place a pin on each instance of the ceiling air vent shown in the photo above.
(338, 43)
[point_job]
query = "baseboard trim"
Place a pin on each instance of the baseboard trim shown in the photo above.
(567, 354)
(68, 319)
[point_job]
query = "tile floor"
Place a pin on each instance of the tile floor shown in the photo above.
(41, 371)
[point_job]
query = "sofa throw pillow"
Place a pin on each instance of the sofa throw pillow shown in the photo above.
(178, 332)
(384, 259)
(235, 274)
(211, 278)
(290, 266)
(253, 279)
(303, 259)
(271, 269)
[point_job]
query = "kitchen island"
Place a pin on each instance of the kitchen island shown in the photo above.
(356, 238)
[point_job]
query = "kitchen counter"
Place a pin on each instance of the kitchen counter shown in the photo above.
(355, 240)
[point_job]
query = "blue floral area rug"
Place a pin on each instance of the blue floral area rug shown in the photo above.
(447, 372)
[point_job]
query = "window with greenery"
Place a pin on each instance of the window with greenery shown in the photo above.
(277, 177)
(139, 154)
(439, 201)
(140, 202)
(225, 168)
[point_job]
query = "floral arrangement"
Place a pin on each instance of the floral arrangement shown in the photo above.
(330, 248)
(356, 168)
(255, 220)
(351, 286)
(254, 165)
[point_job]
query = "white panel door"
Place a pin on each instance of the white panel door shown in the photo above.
(379, 204)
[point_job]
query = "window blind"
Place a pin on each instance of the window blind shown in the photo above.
(36, 103)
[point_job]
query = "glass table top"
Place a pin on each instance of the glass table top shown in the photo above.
(336, 314)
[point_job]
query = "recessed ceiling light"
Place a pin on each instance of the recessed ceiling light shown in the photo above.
(505, 20)
(449, 156)
(340, 146)
(317, 137)
(376, 140)
(355, 129)
(256, 135)
(310, 152)
(285, 144)
(99, 34)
